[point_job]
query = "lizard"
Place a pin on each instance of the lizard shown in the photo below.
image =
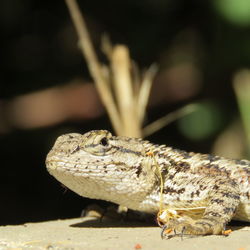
(205, 191)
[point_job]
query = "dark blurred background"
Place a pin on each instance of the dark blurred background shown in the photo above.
(203, 52)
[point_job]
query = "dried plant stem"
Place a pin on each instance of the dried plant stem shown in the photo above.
(126, 106)
(170, 117)
(93, 64)
(144, 91)
(241, 84)
(121, 69)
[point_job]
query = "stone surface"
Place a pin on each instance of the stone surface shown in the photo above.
(87, 233)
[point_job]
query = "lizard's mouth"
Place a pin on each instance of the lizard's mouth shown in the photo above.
(52, 162)
(52, 165)
(56, 163)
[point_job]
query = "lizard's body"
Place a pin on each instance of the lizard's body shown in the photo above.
(210, 189)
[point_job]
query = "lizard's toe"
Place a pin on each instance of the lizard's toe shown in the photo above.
(183, 227)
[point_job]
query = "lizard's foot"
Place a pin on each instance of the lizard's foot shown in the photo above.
(102, 213)
(188, 227)
(115, 213)
(181, 228)
(174, 224)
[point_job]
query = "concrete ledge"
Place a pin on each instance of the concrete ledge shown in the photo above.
(86, 233)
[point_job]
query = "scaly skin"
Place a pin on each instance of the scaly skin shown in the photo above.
(207, 191)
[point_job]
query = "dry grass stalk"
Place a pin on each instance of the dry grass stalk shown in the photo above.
(170, 117)
(123, 91)
(93, 64)
(120, 63)
(144, 91)
(241, 84)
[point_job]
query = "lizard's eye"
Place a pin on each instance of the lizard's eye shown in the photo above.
(98, 143)
(104, 141)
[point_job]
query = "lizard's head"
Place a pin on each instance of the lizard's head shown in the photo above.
(101, 166)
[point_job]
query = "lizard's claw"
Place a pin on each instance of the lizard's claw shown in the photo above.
(178, 223)
(188, 227)
(170, 231)
(174, 224)
(184, 226)
(166, 232)
(180, 229)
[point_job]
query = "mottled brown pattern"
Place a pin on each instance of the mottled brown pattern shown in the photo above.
(205, 191)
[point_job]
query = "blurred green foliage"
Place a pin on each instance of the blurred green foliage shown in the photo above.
(242, 91)
(203, 122)
(235, 11)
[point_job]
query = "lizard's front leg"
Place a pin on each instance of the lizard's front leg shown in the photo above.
(223, 200)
